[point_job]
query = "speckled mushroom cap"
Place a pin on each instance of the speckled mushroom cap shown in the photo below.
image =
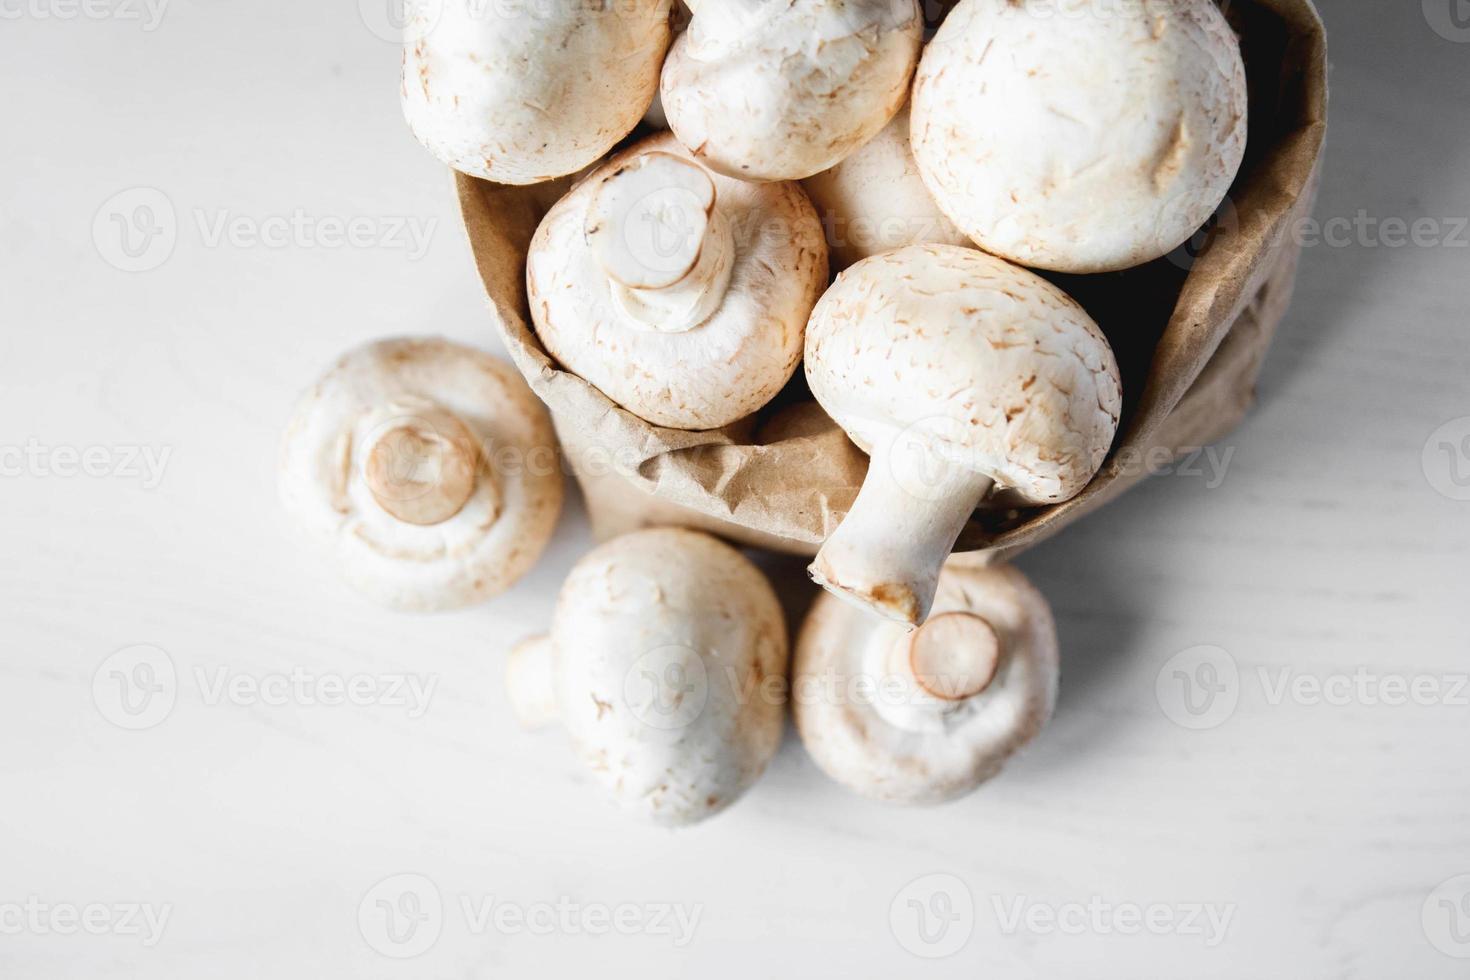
(1079, 137)
(933, 331)
(891, 714)
(875, 201)
(782, 89)
(666, 663)
(523, 92)
(426, 470)
(698, 344)
(956, 371)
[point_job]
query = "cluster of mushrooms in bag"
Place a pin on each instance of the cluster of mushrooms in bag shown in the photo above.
(818, 275)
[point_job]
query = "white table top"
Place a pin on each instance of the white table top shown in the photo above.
(1323, 830)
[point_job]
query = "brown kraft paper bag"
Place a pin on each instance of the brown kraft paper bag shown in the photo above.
(1190, 332)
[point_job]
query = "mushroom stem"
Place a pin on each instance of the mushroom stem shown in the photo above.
(530, 684)
(424, 467)
(666, 249)
(886, 554)
(939, 668)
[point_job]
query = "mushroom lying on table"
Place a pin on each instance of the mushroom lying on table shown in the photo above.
(782, 89)
(657, 663)
(427, 471)
(1076, 141)
(875, 200)
(524, 92)
(681, 294)
(926, 716)
(957, 372)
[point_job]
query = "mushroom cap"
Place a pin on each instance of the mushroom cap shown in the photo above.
(995, 369)
(875, 200)
(835, 690)
(662, 644)
(718, 372)
(521, 93)
(426, 389)
(782, 89)
(1067, 139)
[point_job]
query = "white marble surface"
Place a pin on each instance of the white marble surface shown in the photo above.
(1317, 833)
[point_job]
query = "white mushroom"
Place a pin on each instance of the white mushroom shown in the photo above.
(926, 716)
(521, 92)
(427, 471)
(666, 663)
(957, 372)
(875, 200)
(679, 293)
(1068, 137)
(782, 89)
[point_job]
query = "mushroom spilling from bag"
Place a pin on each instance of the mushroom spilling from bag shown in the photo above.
(523, 92)
(426, 470)
(1080, 142)
(783, 89)
(925, 716)
(957, 372)
(666, 663)
(679, 293)
(875, 201)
